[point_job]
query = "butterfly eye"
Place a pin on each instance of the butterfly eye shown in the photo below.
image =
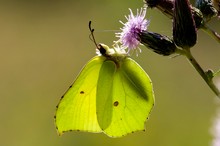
(102, 49)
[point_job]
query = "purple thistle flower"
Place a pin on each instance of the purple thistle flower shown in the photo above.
(129, 37)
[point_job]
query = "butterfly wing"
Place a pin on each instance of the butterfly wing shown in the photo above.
(124, 105)
(77, 108)
(104, 94)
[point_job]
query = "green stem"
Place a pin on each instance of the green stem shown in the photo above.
(199, 69)
(216, 73)
(211, 32)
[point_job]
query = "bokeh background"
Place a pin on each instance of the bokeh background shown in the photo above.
(45, 43)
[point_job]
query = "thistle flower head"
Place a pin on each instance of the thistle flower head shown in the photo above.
(129, 37)
(207, 8)
(158, 43)
(184, 28)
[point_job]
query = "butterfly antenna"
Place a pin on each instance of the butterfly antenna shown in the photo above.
(91, 36)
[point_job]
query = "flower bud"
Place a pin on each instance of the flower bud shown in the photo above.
(167, 6)
(207, 8)
(216, 4)
(197, 16)
(184, 30)
(158, 43)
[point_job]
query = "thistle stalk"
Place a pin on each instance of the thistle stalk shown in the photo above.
(203, 74)
(211, 32)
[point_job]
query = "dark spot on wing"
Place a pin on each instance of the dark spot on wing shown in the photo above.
(81, 92)
(116, 103)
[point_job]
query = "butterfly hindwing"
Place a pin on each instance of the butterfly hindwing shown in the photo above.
(125, 99)
(104, 94)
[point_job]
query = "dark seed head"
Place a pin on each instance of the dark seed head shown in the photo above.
(158, 43)
(207, 8)
(197, 16)
(216, 4)
(165, 6)
(184, 29)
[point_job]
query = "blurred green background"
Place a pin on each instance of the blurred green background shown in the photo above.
(44, 44)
